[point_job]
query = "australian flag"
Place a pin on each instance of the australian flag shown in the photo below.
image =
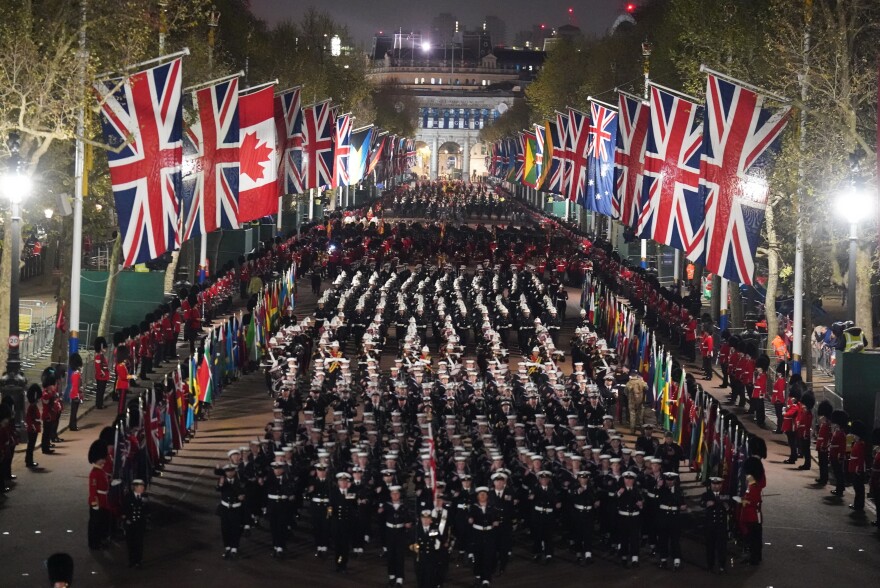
(600, 179)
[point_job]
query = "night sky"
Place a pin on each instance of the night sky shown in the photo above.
(365, 17)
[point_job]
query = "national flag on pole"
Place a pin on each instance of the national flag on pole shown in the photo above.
(671, 208)
(600, 181)
(211, 161)
(629, 158)
(317, 159)
(258, 182)
(554, 156)
(288, 124)
(543, 152)
(361, 139)
(143, 117)
(578, 156)
(205, 380)
(562, 127)
(377, 147)
(739, 135)
(530, 160)
(341, 151)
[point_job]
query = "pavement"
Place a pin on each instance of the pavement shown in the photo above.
(811, 539)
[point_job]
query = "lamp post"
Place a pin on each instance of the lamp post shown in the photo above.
(854, 205)
(15, 186)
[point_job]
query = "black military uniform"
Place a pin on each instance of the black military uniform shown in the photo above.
(396, 519)
(135, 513)
(319, 500)
(428, 545)
(629, 505)
(231, 495)
(483, 521)
(717, 512)
(504, 504)
(343, 501)
(279, 494)
(669, 518)
(583, 502)
(545, 503)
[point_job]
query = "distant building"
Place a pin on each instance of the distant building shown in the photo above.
(460, 86)
(496, 28)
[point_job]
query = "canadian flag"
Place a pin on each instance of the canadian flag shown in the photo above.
(257, 196)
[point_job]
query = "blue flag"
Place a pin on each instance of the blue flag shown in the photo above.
(600, 179)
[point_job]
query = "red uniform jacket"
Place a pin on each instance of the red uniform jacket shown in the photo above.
(778, 391)
(823, 437)
(121, 376)
(99, 486)
(707, 345)
(759, 389)
(102, 368)
(837, 448)
(856, 464)
(751, 508)
(724, 353)
(32, 418)
(48, 402)
(75, 385)
(804, 423)
(790, 415)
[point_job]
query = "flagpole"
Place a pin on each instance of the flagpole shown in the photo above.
(252, 89)
(746, 85)
(106, 75)
(671, 91)
(78, 173)
(220, 80)
(605, 104)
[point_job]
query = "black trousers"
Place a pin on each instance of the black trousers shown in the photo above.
(134, 539)
(777, 408)
(791, 436)
(31, 445)
(839, 475)
(542, 533)
(319, 525)
(99, 527)
(146, 367)
(99, 393)
(755, 542)
(74, 409)
(342, 542)
(583, 532)
(395, 541)
(805, 451)
(230, 526)
(630, 535)
(484, 555)
(823, 466)
(716, 546)
(504, 544)
(757, 406)
(707, 366)
(858, 484)
(427, 571)
(669, 537)
(47, 436)
(277, 513)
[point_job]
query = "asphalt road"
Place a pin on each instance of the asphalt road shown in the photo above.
(810, 539)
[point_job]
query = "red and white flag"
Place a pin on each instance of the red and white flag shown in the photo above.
(258, 192)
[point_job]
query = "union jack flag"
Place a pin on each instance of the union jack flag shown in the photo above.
(317, 155)
(739, 134)
(520, 162)
(579, 151)
(144, 118)
(288, 125)
(410, 152)
(342, 139)
(555, 158)
(210, 158)
(671, 207)
(495, 162)
(562, 127)
(629, 159)
(603, 134)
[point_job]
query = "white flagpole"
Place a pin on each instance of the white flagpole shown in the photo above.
(78, 173)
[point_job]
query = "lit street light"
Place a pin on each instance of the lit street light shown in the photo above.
(854, 205)
(15, 186)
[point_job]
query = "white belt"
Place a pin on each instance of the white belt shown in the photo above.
(612, 494)
(623, 513)
(462, 506)
(482, 528)
(102, 492)
(230, 504)
(320, 500)
(582, 507)
(650, 495)
(277, 497)
(665, 507)
(545, 510)
(392, 526)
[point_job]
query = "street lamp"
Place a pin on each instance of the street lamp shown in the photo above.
(48, 213)
(15, 186)
(853, 205)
